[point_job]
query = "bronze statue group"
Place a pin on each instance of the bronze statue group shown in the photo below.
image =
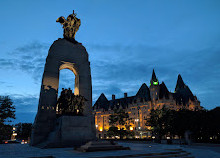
(70, 25)
(70, 104)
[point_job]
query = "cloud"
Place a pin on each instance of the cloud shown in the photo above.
(29, 58)
(25, 103)
(27, 117)
(2, 82)
(7, 63)
(31, 48)
(199, 68)
(120, 68)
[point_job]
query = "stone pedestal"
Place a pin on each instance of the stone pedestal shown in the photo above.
(70, 131)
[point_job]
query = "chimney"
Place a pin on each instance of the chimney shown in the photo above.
(125, 95)
(113, 97)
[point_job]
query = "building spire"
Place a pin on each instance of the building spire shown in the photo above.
(154, 80)
(183, 93)
(179, 84)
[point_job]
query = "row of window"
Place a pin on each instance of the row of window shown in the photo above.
(48, 107)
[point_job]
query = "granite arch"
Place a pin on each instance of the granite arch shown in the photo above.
(62, 55)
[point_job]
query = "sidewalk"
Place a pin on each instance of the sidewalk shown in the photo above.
(137, 150)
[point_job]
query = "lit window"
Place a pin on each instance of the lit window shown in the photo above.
(100, 129)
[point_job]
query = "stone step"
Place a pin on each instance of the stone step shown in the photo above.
(168, 155)
(101, 146)
(180, 153)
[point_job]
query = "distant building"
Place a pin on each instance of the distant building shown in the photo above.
(139, 106)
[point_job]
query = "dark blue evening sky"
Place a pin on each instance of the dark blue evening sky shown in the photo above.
(125, 40)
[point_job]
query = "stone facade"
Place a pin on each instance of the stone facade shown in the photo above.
(139, 106)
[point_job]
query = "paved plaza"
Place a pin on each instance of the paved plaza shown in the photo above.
(137, 150)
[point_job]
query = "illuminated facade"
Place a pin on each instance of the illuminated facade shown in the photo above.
(139, 106)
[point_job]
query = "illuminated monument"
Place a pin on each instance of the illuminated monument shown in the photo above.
(51, 129)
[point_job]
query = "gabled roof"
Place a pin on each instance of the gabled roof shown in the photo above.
(123, 102)
(182, 92)
(179, 84)
(144, 92)
(163, 91)
(102, 102)
(102, 98)
(182, 95)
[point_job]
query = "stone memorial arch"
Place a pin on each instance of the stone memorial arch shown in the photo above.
(66, 53)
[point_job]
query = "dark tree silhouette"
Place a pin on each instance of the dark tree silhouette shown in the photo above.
(23, 130)
(7, 113)
(203, 125)
(7, 109)
(120, 117)
(70, 104)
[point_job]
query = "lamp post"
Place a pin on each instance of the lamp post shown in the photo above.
(14, 134)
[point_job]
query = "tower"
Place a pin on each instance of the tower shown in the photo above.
(154, 87)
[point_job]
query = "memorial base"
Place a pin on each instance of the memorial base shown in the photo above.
(70, 131)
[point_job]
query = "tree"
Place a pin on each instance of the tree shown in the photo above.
(120, 119)
(23, 130)
(203, 125)
(5, 132)
(158, 121)
(7, 112)
(7, 109)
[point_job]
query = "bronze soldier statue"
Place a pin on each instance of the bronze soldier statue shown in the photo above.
(70, 104)
(71, 26)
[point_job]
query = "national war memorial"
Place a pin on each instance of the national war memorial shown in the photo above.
(49, 129)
